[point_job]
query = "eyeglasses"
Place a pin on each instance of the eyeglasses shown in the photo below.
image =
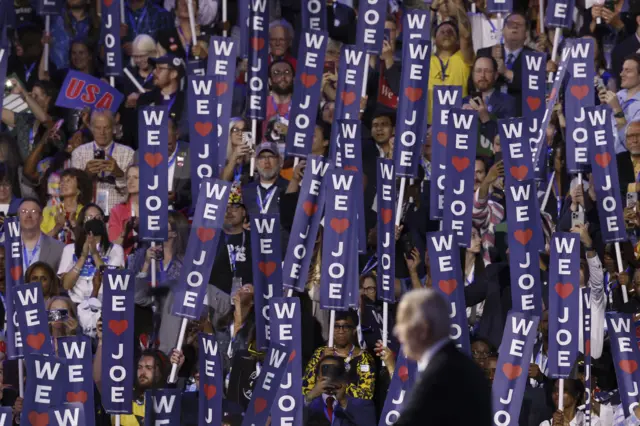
(514, 25)
(369, 289)
(32, 211)
(343, 327)
(236, 130)
(480, 355)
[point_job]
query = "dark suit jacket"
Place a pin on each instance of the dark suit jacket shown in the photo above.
(620, 52)
(515, 86)
(50, 251)
(359, 412)
(500, 105)
(452, 391)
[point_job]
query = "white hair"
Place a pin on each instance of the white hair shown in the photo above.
(288, 29)
(428, 307)
(102, 113)
(146, 44)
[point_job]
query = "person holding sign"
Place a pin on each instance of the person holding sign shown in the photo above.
(572, 399)
(178, 40)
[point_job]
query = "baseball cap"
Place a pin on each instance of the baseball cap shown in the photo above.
(267, 146)
(172, 61)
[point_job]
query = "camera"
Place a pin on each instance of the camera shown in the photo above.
(56, 315)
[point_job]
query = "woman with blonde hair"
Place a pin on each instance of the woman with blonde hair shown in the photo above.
(63, 316)
(238, 153)
(123, 218)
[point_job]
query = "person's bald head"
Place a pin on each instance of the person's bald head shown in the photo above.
(422, 320)
(632, 138)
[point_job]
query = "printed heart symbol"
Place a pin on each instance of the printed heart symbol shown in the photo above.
(579, 92)
(603, 159)
(348, 97)
(587, 347)
(519, 172)
(448, 286)
(221, 88)
(259, 405)
(16, 272)
(308, 80)
(118, 326)
(629, 366)
(210, 391)
(403, 373)
(350, 168)
(38, 419)
(153, 159)
(257, 43)
(77, 397)
(339, 225)
(511, 371)
(564, 290)
(108, 3)
(533, 102)
(203, 129)
(292, 356)
(413, 93)
(460, 163)
(387, 215)
(523, 236)
(35, 340)
(309, 208)
(442, 138)
(205, 234)
(267, 268)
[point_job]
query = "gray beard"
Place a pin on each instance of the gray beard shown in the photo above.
(268, 176)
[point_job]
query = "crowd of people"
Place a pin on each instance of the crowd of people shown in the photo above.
(72, 179)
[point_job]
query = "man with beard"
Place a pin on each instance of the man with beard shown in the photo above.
(279, 101)
(263, 195)
(490, 104)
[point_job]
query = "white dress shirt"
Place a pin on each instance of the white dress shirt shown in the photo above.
(428, 355)
(578, 420)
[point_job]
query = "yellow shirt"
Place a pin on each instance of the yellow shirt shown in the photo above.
(135, 419)
(455, 73)
(49, 218)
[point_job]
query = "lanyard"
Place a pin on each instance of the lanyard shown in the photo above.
(556, 188)
(187, 45)
(493, 27)
(627, 103)
(164, 270)
(277, 111)
(171, 99)
(28, 71)
(444, 67)
(172, 158)
(147, 78)
(233, 252)
(136, 24)
(264, 208)
(347, 360)
(371, 263)
(233, 339)
(29, 259)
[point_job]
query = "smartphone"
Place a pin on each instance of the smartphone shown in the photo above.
(58, 315)
(498, 157)
(236, 284)
(610, 4)
(58, 124)
(577, 218)
(330, 66)
(99, 154)
(332, 372)
(632, 199)
(246, 138)
(160, 251)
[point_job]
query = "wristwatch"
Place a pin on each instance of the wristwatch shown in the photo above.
(619, 114)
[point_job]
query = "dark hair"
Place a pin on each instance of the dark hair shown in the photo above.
(31, 199)
(575, 388)
(494, 63)
(90, 47)
(94, 22)
(161, 361)
(180, 225)
(383, 113)
(81, 234)
(85, 186)
(30, 38)
(348, 315)
(281, 61)
(635, 58)
(50, 90)
(54, 288)
(452, 23)
(516, 13)
(336, 358)
(13, 158)
(5, 174)
(325, 127)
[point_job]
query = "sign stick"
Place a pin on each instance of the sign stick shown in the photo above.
(541, 17)
(332, 323)
(112, 81)
(556, 44)
(580, 208)
(365, 78)
(154, 283)
(133, 80)
(47, 31)
(625, 296)
(403, 182)
(122, 21)
(192, 24)
(560, 394)
(254, 129)
(174, 367)
(224, 18)
(21, 377)
(385, 323)
(547, 193)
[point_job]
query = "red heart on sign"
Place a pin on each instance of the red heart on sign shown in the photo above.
(629, 366)
(348, 97)
(351, 168)
(564, 290)
(153, 159)
(511, 371)
(205, 234)
(387, 215)
(403, 373)
(267, 268)
(77, 397)
(413, 93)
(308, 80)
(118, 326)
(442, 138)
(519, 172)
(16, 272)
(533, 102)
(108, 3)
(579, 92)
(203, 129)
(257, 43)
(210, 391)
(260, 404)
(38, 419)
(460, 163)
(35, 340)
(339, 225)
(603, 159)
(309, 208)
(292, 356)
(221, 88)
(448, 286)
(523, 236)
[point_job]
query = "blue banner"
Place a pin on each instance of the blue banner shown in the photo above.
(386, 244)
(118, 340)
(370, 25)
(32, 319)
(244, 10)
(162, 407)
(14, 278)
(460, 174)
(307, 88)
(266, 255)
(604, 172)
(625, 358)
(559, 14)
(80, 90)
(402, 383)
(444, 98)
(4, 59)
(211, 381)
(201, 249)
(417, 24)
(286, 329)
(110, 31)
(314, 16)
(306, 222)
(51, 7)
(258, 71)
(47, 377)
(499, 6)
(72, 414)
(6, 416)
(564, 304)
(513, 365)
(153, 136)
(76, 350)
(533, 98)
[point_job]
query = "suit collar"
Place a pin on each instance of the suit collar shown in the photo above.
(428, 355)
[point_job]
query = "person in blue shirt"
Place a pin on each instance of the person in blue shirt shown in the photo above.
(77, 20)
(144, 17)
